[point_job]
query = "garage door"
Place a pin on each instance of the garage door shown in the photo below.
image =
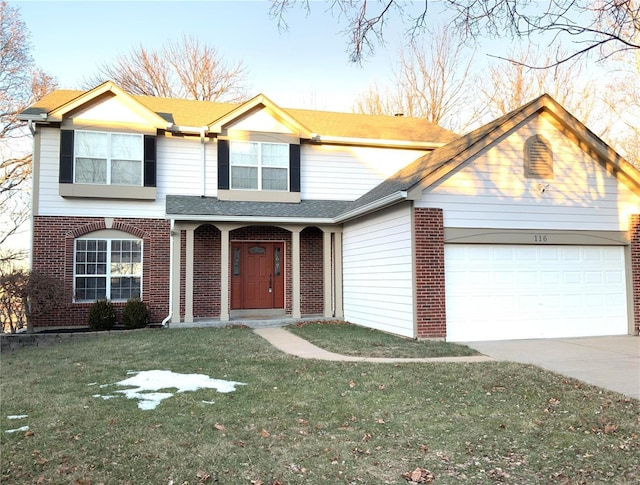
(497, 292)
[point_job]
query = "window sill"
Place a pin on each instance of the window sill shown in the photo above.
(107, 191)
(259, 196)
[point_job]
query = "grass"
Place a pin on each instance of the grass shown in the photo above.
(354, 340)
(301, 421)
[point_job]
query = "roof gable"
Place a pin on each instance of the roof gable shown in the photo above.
(107, 101)
(410, 181)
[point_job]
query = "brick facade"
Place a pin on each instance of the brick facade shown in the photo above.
(430, 273)
(53, 249)
(634, 234)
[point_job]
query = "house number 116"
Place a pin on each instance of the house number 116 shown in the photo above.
(540, 238)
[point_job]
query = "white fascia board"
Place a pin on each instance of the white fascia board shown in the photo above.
(373, 206)
(338, 140)
(250, 219)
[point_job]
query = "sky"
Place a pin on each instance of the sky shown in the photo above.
(306, 66)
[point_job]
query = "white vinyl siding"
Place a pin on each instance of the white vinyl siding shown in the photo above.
(497, 292)
(491, 190)
(378, 272)
(346, 173)
(179, 168)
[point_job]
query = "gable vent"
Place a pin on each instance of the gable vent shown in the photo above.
(538, 158)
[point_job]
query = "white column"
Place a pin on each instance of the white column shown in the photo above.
(337, 274)
(295, 273)
(175, 283)
(188, 277)
(327, 273)
(224, 274)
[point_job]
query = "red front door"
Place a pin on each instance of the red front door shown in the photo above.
(257, 275)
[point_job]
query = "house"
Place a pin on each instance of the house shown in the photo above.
(524, 228)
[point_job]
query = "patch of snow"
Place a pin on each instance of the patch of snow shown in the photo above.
(18, 416)
(145, 384)
(208, 402)
(23, 428)
(106, 398)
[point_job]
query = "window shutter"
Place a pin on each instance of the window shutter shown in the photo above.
(294, 168)
(223, 164)
(66, 157)
(149, 161)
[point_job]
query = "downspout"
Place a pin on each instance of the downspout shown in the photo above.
(203, 163)
(32, 129)
(165, 322)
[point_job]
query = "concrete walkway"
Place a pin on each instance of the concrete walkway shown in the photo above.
(611, 362)
(294, 345)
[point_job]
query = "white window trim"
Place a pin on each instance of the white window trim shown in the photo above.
(259, 166)
(109, 134)
(107, 276)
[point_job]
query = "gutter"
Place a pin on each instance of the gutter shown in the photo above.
(339, 140)
(373, 206)
(165, 322)
(251, 219)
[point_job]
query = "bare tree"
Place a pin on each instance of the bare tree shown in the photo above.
(507, 85)
(431, 82)
(605, 26)
(21, 84)
(622, 97)
(183, 69)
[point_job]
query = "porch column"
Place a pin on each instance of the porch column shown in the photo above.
(175, 283)
(327, 273)
(295, 270)
(224, 274)
(188, 277)
(337, 274)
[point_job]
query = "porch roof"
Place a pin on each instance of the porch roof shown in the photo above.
(213, 209)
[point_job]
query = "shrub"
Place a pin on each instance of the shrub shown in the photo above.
(135, 314)
(102, 316)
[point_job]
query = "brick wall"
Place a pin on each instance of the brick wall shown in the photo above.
(430, 279)
(53, 246)
(634, 225)
(311, 272)
(206, 272)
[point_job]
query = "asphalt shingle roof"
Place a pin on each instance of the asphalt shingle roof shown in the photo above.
(182, 205)
(184, 112)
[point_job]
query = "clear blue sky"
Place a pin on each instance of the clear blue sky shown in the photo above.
(306, 66)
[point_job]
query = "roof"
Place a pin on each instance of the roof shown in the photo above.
(184, 112)
(432, 167)
(183, 205)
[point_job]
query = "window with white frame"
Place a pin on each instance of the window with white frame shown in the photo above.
(107, 268)
(108, 158)
(259, 165)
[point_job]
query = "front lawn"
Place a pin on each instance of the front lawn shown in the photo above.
(355, 340)
(301, 421)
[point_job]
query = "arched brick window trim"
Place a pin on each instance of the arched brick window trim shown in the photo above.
(100, 225)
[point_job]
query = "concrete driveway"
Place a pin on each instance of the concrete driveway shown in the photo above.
(609, 362)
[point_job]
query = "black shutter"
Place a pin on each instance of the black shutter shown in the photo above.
(294, 168)
(149, 161)
(223, 164)
(66, 157)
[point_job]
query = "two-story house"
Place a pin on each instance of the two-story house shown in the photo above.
(523, 228)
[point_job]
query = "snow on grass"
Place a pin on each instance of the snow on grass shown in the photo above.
(23, 428)
(18, 416)
(145, 385)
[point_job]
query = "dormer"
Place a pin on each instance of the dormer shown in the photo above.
(107, 145)
(259, 153)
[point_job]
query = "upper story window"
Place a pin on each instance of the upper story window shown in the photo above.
(538, 158)
(259, 165)
(108, 158)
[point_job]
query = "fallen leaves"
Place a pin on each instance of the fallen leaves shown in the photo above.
(419, 475)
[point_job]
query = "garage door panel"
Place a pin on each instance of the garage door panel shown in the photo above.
(508, 292)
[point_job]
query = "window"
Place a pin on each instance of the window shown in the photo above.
(538, 158)
(259, 165)
(108, 158)
(107, 268)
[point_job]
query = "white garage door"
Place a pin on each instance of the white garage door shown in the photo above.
(497, 292)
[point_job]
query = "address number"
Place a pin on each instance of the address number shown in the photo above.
(540, 238)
